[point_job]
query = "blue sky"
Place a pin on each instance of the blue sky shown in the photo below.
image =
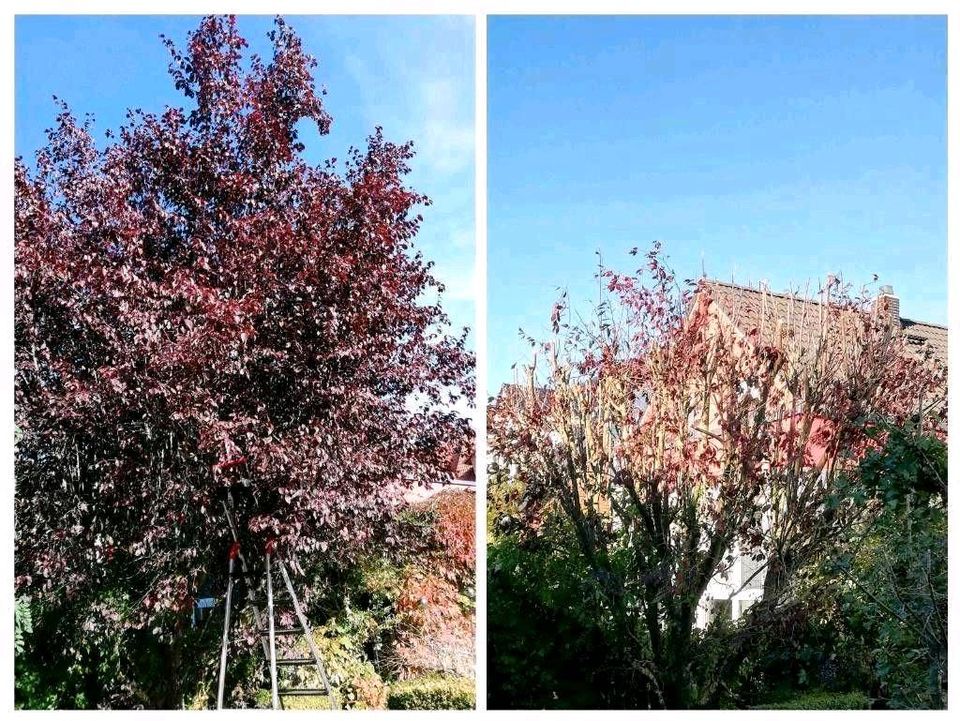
(777, 149)
(412, 75)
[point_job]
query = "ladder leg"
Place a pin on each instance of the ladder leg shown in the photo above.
(226, 640)
(308, 633)
(251, 596)
(273, 646)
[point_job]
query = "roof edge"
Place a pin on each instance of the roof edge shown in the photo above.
(815, 301)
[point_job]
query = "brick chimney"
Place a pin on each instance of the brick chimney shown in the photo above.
(826, 291)
(889, 305)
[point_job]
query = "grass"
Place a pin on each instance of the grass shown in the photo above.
(295, 703)
(816, 700)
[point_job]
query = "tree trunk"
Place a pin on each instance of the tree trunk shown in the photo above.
(674, 661)
(170, 694)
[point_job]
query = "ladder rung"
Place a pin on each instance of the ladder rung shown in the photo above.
(295, 661)
(282, 632)
(302, 691)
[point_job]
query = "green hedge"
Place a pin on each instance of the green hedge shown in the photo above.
(432, 692)
(818, 701)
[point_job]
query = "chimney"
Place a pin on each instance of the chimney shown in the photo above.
(889, 305)
(826, 292)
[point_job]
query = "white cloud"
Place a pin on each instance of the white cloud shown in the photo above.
(447, 144)
(459, 279)
(418, 84)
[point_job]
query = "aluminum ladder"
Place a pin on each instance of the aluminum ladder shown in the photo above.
(266, 625)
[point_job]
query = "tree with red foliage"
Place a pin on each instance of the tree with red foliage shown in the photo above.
(669, 440)
(195, 303)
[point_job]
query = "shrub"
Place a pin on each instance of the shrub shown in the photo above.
(433, 693)
(896, 597)
(455, 531)
(437, 631)
(22, 623)
(808, 644)
(356, 682)
(435, 600)
(552, 642)
(82, 656)
(442, 531)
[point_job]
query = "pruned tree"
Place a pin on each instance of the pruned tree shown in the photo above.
(671, 438)
(196, 303)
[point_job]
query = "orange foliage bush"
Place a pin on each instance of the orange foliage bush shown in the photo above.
(437, 630)
(455, 531)
(434, 606)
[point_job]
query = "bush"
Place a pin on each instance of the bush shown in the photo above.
(454, 533)
(437, 631)
(808, 644)
(551, 639)
(819, 701)
(356, 682)
(433, 693)
(434, 601)
(81, 655)
(897, 594)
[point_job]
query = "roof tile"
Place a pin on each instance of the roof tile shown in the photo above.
(773, 314)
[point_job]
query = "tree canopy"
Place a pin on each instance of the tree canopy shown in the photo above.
(196, 304)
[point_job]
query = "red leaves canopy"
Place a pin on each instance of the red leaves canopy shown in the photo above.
(196, 293)
(661, 426)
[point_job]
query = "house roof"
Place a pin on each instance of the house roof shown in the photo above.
(773, 313)
(933, 336)
(460, 459)
(462, 469)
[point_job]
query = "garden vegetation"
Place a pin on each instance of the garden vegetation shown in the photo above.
(651, 443)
